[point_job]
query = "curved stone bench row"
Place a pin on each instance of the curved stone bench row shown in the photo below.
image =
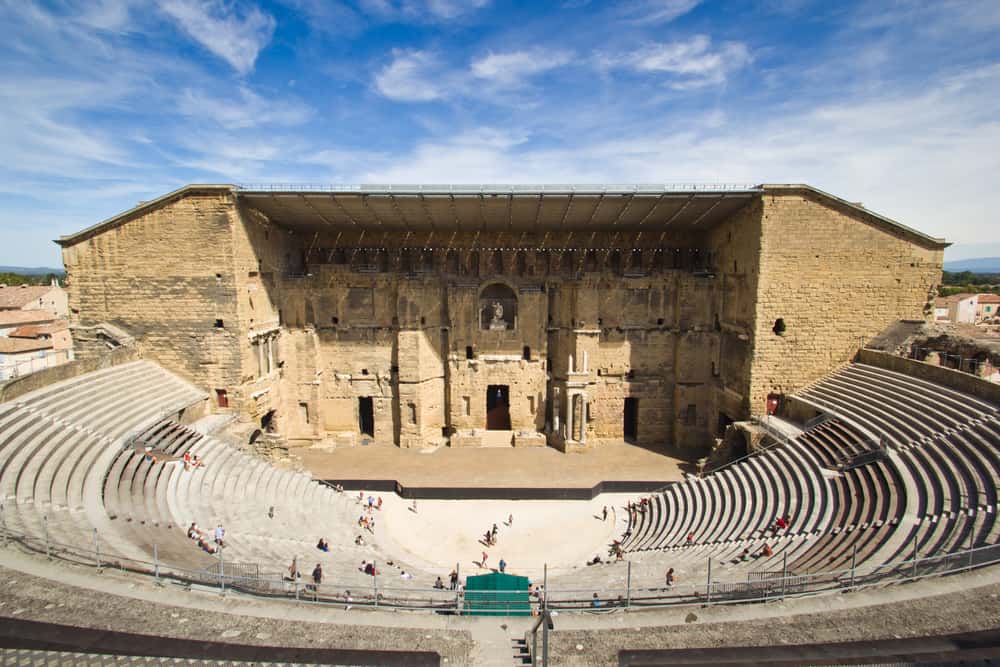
(53, 442)
(908, 411)
(270, 515)
(946, 454)
(868, 499)
(735, 509)
(850, 516)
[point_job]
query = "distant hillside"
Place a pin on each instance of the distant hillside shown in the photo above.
(977, 265)
(26, 275)
(32, 270)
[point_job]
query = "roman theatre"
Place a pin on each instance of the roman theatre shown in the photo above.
(680, 413)
(569, 318)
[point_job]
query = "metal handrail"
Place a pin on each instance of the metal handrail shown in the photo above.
(873, 439)
(524, 189)
(778, 437)
(641, 595)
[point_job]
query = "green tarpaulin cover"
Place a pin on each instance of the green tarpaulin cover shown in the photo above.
(497, 594)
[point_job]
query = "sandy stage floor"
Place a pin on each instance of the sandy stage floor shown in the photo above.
(492, 467)
(443, 533)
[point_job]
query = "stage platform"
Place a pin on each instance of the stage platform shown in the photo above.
(535, 472)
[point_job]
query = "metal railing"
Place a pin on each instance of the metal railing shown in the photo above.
(637, 592)
(872, 439)
(970, 365)
(526, 189)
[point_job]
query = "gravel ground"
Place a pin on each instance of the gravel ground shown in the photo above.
(28, 597)
(35, 589)
(968, 610)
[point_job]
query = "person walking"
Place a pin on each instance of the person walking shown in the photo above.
(670, 578)
(604, 513)
(318, 574)
(503, 564)
(454, 579)
(483, 563)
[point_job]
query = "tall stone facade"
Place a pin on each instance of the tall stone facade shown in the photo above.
(531, 332)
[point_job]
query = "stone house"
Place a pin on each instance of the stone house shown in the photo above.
(52, 298)
(987, 306)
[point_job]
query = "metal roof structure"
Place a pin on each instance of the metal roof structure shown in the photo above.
(411, 208)
(674, 208)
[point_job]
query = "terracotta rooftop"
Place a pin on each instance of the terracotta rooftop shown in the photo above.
(954, 298)
(16, 345)
(989, 298)
(15, 318)
(18, 296)
(36, 330)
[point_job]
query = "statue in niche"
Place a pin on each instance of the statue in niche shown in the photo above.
(497, 322)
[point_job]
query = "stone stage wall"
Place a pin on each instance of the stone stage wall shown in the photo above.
(656, 337)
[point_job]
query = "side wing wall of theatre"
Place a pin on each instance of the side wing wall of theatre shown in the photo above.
(835, 277)
(167, 277)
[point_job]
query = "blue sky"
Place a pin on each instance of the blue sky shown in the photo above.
(107, 103)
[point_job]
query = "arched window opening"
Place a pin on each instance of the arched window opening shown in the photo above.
(497, 308)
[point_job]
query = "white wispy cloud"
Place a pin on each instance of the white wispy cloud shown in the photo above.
(237, 39)
(110, 15)
(512, 67)
(421, 10)
(690, 63)
(242, 110)
(917, 156)
(40, 133)
(655, 11)
(423, 76)
(410, 77)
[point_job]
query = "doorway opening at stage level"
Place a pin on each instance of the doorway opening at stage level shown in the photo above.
(498, 407)
(631, 425)
(366, 416)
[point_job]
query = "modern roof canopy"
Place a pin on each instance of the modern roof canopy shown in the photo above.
(678, 208)
(494, 209)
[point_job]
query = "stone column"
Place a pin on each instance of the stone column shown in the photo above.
(555, 410)
(583, 417)
(569, 415)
